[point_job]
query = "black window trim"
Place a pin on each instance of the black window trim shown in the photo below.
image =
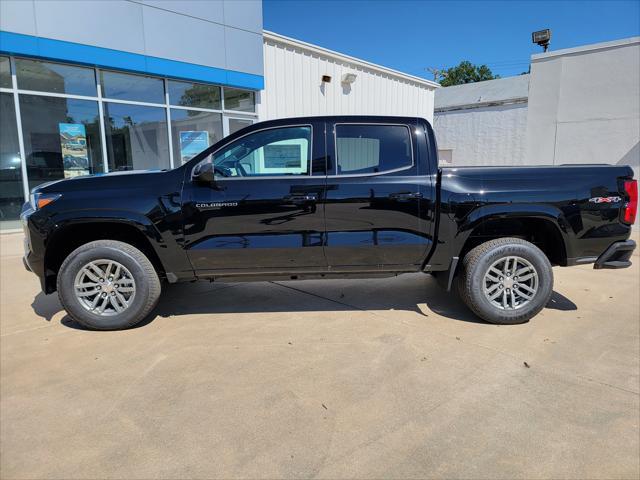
(384, 172)
(265, 177)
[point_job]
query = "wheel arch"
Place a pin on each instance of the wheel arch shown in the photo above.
(72, 234)
(546, 230)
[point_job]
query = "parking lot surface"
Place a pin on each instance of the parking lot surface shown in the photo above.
(385, 378)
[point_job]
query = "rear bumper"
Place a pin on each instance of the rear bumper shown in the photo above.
(616, 256)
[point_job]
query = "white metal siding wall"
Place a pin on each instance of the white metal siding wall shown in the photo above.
(494, 135)
(293, 87)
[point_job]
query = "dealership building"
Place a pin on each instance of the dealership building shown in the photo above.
(145, 84)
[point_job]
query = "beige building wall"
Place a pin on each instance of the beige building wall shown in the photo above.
(584, 105)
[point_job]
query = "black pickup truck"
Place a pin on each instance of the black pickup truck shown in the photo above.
(321, 197)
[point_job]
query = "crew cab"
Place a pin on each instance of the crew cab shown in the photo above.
(324, 197)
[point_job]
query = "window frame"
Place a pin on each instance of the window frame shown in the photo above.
(372, 174)
(263, 177)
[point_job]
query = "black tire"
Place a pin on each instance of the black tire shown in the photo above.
(146, 279)
(477, 262)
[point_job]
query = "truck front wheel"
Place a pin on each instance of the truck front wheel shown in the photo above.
(506, 281)
(108, 285)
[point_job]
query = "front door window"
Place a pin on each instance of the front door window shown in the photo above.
(273, 152)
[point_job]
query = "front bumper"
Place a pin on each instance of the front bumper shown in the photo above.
(616, 256)
(33, 259)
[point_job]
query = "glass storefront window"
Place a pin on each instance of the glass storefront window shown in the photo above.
(5, 72)
(136, 137)
(198, 95)
(11, 192)
(124, 86)
(193, 131)
(61, 138)
(240, 100)
(236, 124)
(55, 77)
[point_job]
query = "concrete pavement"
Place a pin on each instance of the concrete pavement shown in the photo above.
(388, 378)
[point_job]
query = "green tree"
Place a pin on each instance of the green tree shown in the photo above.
(466, 72)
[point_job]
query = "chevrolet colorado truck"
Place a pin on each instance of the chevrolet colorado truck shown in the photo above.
(323, 197)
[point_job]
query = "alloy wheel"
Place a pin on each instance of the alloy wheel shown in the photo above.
(105, 287)
(510, 283)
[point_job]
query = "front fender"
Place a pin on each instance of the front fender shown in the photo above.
(164, 236)
(134, 219)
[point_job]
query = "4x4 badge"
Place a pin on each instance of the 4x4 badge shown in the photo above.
(605, 199)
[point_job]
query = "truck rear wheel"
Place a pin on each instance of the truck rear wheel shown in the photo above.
(108, 285)
(506, 281)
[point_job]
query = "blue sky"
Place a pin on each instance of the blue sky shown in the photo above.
(411, 35)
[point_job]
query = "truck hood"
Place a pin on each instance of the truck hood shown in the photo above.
(100, 180)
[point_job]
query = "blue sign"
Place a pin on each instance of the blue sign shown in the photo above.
(192, 143)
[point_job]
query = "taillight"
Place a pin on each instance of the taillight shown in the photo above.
(631, 206)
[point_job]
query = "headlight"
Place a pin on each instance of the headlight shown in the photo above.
(40, 200)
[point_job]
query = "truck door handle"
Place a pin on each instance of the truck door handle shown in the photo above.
(405, 196)
(303, 198)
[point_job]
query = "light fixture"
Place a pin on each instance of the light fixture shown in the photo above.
(542, 38)
(349, 78)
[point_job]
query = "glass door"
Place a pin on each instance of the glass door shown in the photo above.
(233, 124)
(11, 188)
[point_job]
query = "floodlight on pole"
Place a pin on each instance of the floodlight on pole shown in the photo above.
(542, 38)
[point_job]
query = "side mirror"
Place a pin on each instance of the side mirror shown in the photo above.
(204, 173)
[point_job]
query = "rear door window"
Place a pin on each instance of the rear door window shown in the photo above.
(371, 149)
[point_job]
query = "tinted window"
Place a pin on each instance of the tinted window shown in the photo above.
(193, 131)
(11, 193)
(236, 124)
(277, 151)
(194, 95)
(61, 137)
(5, 72)
(55, 77)
(240, 100)
(372, 148)
(123, 86)
(137, 137)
